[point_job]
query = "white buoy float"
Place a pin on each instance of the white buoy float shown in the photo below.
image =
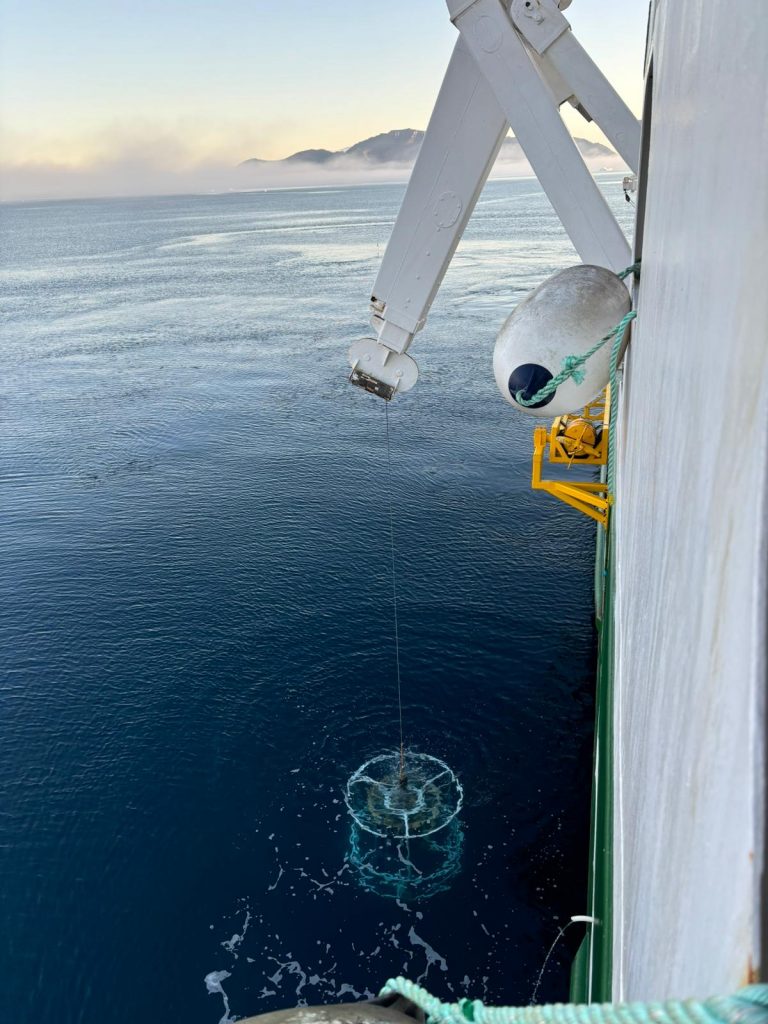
(563, 317)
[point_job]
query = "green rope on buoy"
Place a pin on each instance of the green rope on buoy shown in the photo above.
(748, 1006)
(571, 366)
(573, 363)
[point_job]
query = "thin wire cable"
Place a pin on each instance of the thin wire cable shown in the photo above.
(394, 594)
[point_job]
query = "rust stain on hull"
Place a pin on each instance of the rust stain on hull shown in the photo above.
(752, 976)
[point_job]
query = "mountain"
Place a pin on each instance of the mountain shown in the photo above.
(306, 156)
(399, 148)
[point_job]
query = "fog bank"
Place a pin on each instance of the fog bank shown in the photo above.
(137, 176)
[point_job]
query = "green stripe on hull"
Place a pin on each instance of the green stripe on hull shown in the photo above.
(591, 970)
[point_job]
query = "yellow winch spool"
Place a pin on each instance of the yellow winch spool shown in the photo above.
(578, 436)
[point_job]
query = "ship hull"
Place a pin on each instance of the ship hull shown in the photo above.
(679, 811)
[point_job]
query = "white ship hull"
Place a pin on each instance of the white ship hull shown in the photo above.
(690, 524)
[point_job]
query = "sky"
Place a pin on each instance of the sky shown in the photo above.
(121, 95)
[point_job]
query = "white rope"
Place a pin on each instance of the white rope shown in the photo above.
(394, 588)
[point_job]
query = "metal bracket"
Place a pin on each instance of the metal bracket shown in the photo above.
(539, 21)
(379, 370)
(372, 385)
(590, 498)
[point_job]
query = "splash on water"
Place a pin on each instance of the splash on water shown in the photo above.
(213, 984)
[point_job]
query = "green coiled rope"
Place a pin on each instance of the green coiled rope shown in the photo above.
(748, 1006)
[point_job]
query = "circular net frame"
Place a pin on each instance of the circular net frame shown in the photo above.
(407, 871)
(414, 803)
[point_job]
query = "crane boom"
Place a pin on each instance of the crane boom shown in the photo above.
(512, 66)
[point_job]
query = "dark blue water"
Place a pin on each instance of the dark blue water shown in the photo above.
(196, 623)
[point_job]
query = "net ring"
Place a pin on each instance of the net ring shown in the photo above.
(408, 801)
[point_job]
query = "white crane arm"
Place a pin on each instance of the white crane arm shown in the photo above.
(512, 66)
(526, 100)
(547, 32)
(462, 140)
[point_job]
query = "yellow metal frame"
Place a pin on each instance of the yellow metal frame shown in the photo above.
(589, 497)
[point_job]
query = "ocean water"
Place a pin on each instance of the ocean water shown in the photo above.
(196, 618)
